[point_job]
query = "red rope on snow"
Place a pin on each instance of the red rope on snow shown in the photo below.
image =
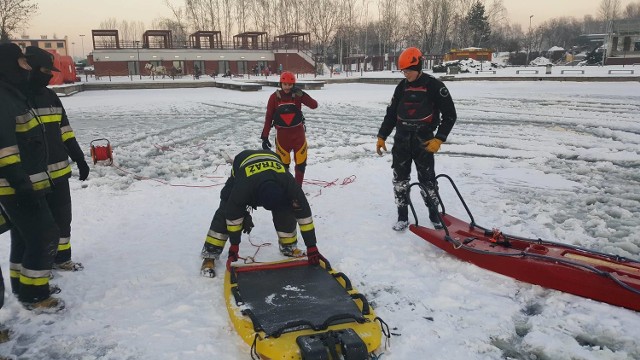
(139, 177)
(252, 259)
(325, 184)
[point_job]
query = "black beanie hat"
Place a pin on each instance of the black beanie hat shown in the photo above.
(9, 55)
(39, 58)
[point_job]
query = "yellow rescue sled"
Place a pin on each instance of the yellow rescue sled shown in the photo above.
(293, 310)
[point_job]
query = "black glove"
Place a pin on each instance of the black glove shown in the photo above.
(83, 168)
(233, 253)
(313, 255)
(266, 144)
(297, 91)
(247, 224)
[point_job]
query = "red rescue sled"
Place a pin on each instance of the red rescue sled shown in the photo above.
(608, 278)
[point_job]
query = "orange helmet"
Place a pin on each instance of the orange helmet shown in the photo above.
(287, 77)
(410, 57)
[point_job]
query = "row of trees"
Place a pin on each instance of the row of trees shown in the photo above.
(371, 27)
(376, 27)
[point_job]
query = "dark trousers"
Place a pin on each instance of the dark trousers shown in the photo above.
(59, 201)
(34, 238)
(283, 221)
(409, 148)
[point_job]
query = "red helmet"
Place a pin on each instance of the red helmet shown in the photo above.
(287, 77)
(410, 57)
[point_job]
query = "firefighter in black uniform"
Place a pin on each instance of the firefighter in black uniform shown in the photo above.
(259, 178)
(24, 182)
(421, 105)
(61, 145)
(4, 227)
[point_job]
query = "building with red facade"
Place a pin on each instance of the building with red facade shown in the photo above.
(204, 52)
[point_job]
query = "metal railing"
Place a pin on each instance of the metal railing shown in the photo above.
(188, 44)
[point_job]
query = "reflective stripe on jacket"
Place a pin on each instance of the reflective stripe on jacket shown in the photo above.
(61, 140)
(23, 147)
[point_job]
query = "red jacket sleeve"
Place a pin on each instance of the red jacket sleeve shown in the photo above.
(309, 101)
(268, 118)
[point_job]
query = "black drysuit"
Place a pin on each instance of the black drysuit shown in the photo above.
(417, 110)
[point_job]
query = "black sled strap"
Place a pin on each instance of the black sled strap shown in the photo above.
(324, 346)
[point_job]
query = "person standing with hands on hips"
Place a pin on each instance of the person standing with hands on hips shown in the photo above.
(421, 106)
(284, 111)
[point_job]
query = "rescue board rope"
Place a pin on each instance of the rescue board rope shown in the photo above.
(140, 177)
(322, 183)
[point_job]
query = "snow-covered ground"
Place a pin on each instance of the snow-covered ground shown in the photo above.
(556, 160)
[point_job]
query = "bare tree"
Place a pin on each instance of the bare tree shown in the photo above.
(322, 20)
(591, 25)
(508, 37)
(197, 14)
(420, 22)
(444, 14)
(390, 24)
(14, 16)
(131, 31)
(461, 31)
(347, 25)
(241, 13)
(632, 11)
(259, 12)
(109, 24)
(560, 31)
(609, 10)
(497, 13)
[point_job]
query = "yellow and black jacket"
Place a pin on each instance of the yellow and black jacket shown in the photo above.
(23, 147)
(250, 169)
(61, 141)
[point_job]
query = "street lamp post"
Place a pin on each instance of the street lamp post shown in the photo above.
(82, 40)
(529, 47)
(138, 63)
(366, 33)
(73, 51)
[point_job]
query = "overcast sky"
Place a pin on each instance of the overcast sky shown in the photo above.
(74, 17)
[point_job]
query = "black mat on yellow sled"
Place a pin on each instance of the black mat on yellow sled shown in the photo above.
(279, 308)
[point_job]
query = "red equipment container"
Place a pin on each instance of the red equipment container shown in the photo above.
(65, 64)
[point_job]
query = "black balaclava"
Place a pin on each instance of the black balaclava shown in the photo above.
(38, 59)
(10, 71)
(38, 79)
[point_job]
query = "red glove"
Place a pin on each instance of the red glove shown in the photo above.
(233, 253)
(313, 255)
